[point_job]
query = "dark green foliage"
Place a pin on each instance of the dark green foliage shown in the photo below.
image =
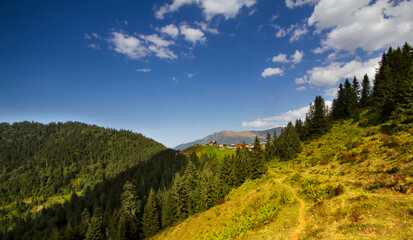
(150, 220)
(94, 231)
(365, 92)
(191, 182)
(317, 121)
(288, 143)
(301, 130)
(38, 161)
(392, 97)
(257, 166)
(168, 212)
(269, 148)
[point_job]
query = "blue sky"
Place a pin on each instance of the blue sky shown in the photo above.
(178, 70)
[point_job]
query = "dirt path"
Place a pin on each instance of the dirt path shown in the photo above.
(303, 222)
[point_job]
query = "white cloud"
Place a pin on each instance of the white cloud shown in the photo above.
(330, 75)
(279, 120)
(175, 79)
(94, 46)
(273, 17)
(302, 88)
(190, 75)
(281, 33)
(125, 22)
(162, 52)
(135, 48)
(330, 92)
(171, 30)
(301, 80)
(145, 70)
(297, 33)
(128, 45)
(87, 36)
(191, 34)
(369, 25)
(280, 58)
(282, 119)
(155, 39)
(272, 71)
(252, 11)
(297, 57)
(298, 3)
(206, 28)
(210, 8)
(96, 35)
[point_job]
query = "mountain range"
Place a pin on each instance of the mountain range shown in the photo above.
(232, 137)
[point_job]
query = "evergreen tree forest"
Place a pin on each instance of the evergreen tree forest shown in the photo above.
(121, 185)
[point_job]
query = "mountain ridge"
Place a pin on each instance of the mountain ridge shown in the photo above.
(231, 137)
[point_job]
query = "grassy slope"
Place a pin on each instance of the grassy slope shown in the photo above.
(356, 184)
(220, 152)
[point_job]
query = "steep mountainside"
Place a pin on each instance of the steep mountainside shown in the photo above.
(231, 137)
(42, 164)
(352, 183)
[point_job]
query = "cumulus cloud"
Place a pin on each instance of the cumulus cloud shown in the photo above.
(330, 92)
(330, 75)
(206, 28)
(298, 3)
(272, 71)
(162, 52)
(136, 48)
(281, 33)
(301, 80)
(191, 34)
(297, 57)
(297, 33)
(155, 39)
(365, 24)
(130, 46)
(171, 30)
(210, 8)
(279, 120)
(145, 70)
(280, 58)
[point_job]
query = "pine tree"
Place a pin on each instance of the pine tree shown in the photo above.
(339, 109)
(269, 148)
(180, 198)
(288, 144)
(365, 92)
(150, 218)
(317, 120)
(130, 210)
(301, 130)
(191, 182)
(167, 209)
(257, 167)
(94, 231)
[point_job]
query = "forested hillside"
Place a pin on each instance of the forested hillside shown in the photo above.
(40, 162)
